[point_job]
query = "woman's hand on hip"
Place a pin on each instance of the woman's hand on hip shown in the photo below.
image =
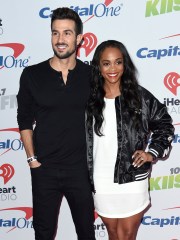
(140, 157)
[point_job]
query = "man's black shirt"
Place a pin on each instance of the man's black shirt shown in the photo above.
(58, 111)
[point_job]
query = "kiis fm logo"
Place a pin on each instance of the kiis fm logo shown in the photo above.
(14, 223)
(11, 61)
(172, 82)
(165, 182)
(99, 10)
(169, 181)
(88, 44)
(156, 7)
(7, 101)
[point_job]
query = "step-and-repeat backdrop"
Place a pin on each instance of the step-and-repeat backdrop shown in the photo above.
(150, 31)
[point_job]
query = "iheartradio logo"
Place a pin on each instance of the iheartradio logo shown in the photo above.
(7, 172)
(95, 215)
(172, 82)
(89, 43)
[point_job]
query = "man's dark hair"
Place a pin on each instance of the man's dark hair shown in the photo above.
(67, 13)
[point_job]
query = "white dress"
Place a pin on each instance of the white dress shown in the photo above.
(113, 200)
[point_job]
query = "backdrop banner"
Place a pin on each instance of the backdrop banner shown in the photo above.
(150, 31)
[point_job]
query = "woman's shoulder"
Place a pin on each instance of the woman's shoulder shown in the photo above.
(145, 92)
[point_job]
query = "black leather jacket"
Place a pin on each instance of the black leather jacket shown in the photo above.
(155, 135)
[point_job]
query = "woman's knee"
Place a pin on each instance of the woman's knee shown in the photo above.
(112, 232)
(127, 234)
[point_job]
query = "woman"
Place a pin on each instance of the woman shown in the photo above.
(121, 116)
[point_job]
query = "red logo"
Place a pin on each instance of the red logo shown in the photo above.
(89, 43)
(16, 47)
(171, 208)
(107, 2)
(175, 35)
(95, 215)
(10, 130)
(7, 172)
(171, 82)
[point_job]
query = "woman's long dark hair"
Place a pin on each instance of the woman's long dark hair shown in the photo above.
(129, 88)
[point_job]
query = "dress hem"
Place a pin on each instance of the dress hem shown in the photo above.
(124, 215)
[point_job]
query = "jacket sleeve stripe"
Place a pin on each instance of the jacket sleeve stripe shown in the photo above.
(141, 176)
(153, 151)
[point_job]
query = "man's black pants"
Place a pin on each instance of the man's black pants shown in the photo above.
(48, 187)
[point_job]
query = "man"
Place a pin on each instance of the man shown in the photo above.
(53, 95)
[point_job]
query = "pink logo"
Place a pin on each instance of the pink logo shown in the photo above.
(7, 172)
(16, 47)
(89, 43)
(171, 82)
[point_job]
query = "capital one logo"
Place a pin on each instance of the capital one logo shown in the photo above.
(89, 43)
(91, 10)
(14, 144)
(12, 60)
(6, 172)
(161, 222)
(172, 82)
(17, 222)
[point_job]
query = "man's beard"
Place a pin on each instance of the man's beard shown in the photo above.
(66, 54)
